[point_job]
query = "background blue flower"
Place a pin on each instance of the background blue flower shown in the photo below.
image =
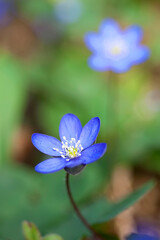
(114, 49)
(75, 147)
(135, 236)
(7, 9)
(148, 228)
(68, 11)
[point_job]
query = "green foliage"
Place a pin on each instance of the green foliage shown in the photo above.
(41, 199)
(100, 211)
(30, 231)
(12, 101)
(125, 203)
(52, 237)
(35, 9)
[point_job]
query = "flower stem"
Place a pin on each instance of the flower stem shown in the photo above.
(92, 231)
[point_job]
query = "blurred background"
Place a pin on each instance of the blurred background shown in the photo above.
(44, 75)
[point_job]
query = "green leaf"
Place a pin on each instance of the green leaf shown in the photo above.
(30, 231)
(52, 237)
(42, 199)
(35, 8)
(13, 95)
(100, 211)
(127, 202)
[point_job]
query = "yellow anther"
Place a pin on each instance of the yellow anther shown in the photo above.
(72, 152)
(116, 50)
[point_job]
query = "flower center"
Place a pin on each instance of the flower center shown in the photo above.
(70, 149)
(116, 49)
(72, 152)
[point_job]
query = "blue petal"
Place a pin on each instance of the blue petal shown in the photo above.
(51, 165)
(90, 132)
(93, 153)
(133, 34)
(121, 66)
(93, 41)
(70, 127)
(140, 54)
(74, 162)
(45, 144)
(98, 63)
(109, 27)
(135, 236)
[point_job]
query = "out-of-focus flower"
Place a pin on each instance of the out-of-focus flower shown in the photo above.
(7, 9)
(75, 149)
(115, 49)
(149, 229)
(135, 236)
(67, 11)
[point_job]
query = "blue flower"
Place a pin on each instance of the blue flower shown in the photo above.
(135, 236)
(75, 149)
(148, 228)
(7, 9)
(68, 11)
(114, 49)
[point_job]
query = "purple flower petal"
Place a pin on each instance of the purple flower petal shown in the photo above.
(140, 54)
(133, 34)
(98, 63)
(90, 132)
(74, 162)
(93, 153)
(121, 66)
(51, 165)
(70, 127)
(46, 144)
(135, 236)
(144, 227)
(93, 41)
(110, 28)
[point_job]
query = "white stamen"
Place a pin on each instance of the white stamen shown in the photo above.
(71, 149)
(117, 49)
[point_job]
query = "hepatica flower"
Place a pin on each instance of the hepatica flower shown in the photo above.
(148, 229)
(116, 49)
(135, 236)
(68, 11)
(7, 9)
(76, 148)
